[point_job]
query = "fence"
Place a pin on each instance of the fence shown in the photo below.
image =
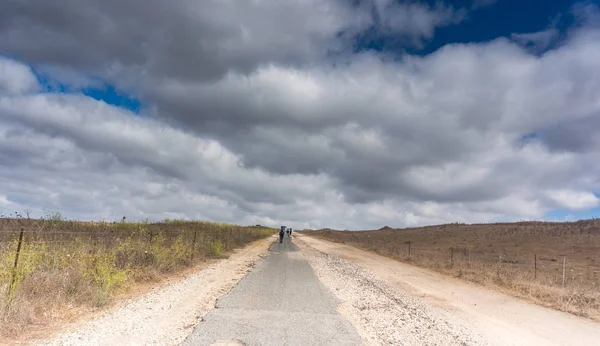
(105, 252)
(558, 261)
(557, 271)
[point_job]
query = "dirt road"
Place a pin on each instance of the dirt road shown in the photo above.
(378, 293)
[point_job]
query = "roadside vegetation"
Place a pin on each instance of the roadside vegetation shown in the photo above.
(552, 264)
(53, 268)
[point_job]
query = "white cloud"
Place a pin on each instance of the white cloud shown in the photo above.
(416, 19)
(538, 41)
(16, 78)
(4, 201)
(574, 200)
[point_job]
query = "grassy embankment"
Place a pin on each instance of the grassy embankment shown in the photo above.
(524, 259)
(66, 267)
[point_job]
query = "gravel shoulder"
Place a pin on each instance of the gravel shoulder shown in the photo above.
(168, 314)
(390, 302)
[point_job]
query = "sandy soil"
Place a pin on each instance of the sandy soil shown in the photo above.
(166, 315)
(390, 302)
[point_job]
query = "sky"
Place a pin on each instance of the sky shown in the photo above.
(349, 114)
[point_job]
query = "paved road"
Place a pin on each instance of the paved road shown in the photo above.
(281, 302)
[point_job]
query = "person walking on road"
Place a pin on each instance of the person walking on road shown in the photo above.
(281, 234)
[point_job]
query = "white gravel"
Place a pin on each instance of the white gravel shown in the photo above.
(165, 316)
(385, 315)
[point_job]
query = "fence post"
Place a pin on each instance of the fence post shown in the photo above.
(194, 244)
(535, 266)
(408, 249)
(451, 256)
(16, 264)
(564, 262)
(469, 258)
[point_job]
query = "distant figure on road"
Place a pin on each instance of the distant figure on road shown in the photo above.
(281, 234)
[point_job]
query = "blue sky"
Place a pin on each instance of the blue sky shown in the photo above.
(253, 120)
(98, 90)
(109, 94)
(504, 18)
(569, 215)
(486, 23)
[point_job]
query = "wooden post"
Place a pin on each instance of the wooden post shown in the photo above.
(13, 280)
(469, 258)
(452, 256)
(194, 244)
(564, 262)
(408, 249)
(535, 266)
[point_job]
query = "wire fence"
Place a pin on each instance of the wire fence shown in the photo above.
(555, 270)
(101, 251)
(559, 259)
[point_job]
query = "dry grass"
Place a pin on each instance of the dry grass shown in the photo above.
(501, 256)
(66, 267)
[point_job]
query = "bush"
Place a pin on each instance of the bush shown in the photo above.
(216, 248)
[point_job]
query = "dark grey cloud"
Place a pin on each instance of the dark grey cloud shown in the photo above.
(580, 135)
(181, 39)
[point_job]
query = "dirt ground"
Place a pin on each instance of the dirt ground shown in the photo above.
(474, 314)
(553, 264)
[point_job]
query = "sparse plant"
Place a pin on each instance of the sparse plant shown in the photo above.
(216, 248)
(70, 264)
(54, 216)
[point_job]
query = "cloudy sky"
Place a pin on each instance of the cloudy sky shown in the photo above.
(309, 113)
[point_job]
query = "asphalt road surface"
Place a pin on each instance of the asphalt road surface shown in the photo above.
(281, 302)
